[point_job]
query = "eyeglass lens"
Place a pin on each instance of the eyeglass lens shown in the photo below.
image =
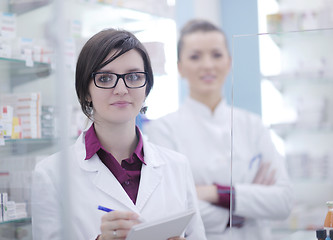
(109, 80)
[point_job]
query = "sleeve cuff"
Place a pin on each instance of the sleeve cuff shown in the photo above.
(224, 193)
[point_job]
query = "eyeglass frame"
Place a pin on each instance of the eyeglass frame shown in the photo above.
(122, 76)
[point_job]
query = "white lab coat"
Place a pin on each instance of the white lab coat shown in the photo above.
(166, 187)
(205, 138)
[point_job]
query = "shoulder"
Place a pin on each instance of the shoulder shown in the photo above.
(163, 152)
(47, 171)
(53, 162)
(48, 162)
(165, 126)
(162, 155)
(246, 117)
(174, 165)
(249, 125)
(167, 119)
(170, 123)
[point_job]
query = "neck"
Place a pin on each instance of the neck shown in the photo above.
(210, 100)
(120, 141)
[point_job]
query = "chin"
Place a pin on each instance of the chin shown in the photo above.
(211, 88)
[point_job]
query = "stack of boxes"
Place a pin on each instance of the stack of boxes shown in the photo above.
(15, 211)
(6, 123)
(21, 115)
(48, 122)
(3, 207)
(10, 210)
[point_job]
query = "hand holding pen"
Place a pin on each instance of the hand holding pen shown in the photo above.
(105, 209)
(109, 231)
(116, 224)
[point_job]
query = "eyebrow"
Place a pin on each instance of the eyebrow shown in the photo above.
(135, 70)
(195, 51)
(127, 71)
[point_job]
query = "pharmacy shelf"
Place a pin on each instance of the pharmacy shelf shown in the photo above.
(20, 73)
(145, 6)
(16, 229)
(300, 45)
(283, 38)
(17, 221)
(282, 82)
(285, 130)
(40, 146)
(296, 79)
(21, 148)
(21, 61)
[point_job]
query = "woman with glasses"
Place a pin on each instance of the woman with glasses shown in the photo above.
(111, 165)
(201, 129)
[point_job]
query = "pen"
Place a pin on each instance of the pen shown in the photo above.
(105, 209)
(256, 158)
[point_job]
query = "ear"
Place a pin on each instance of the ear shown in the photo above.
(229, 63)
(180, 69)
(88, 97)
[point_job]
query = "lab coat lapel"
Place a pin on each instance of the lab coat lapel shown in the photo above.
(107, 183)
(151, 176)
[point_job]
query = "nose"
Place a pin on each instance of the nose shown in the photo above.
(207, 62)
(120, 88)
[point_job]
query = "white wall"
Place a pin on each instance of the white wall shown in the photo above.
(209, 10)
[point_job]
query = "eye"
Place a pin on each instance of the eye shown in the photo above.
(133, 77)
(217, 55)
(104, 78)
(194, 57)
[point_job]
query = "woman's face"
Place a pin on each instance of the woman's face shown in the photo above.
(204, 62)
(119, 104)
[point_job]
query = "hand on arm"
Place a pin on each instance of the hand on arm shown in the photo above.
(208, 193)
(264, 175)
(116, 225)
(219, 195)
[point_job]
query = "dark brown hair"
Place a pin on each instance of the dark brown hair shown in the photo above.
(92, 58)
(196, 25)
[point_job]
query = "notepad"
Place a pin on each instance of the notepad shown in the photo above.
(162, 229)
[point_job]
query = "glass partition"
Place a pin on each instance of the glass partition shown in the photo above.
(295, 87)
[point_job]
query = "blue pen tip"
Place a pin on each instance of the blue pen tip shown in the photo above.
(104, 209)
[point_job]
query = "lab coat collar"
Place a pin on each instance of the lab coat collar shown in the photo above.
(151, 175)
(222, 109)
(149, 154)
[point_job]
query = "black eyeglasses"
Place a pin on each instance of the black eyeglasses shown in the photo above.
(109, 80)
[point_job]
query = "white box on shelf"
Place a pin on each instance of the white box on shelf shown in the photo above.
(3, 201)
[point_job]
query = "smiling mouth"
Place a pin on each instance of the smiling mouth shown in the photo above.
(208, 78)
(120, 104)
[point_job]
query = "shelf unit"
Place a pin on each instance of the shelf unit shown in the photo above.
(298, 103)
(28, 65)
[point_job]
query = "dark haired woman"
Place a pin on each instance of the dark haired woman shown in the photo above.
(111, 164)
